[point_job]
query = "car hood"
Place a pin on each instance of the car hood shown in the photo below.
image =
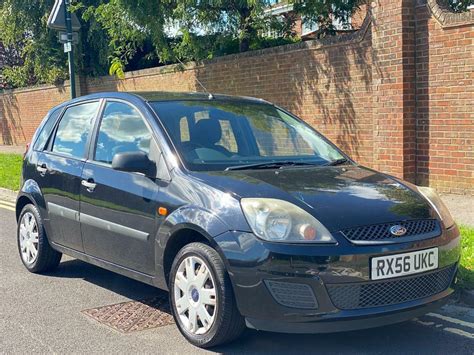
(339, 197)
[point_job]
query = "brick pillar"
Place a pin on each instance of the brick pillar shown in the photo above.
(393, 73)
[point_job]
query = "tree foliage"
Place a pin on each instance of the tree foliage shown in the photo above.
(35, 55)
(325, 14)
(459, 5)
(166, 30)
(120, 35)
(22, 30)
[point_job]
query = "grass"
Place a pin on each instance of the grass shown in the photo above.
(10, 170)
(466, 269)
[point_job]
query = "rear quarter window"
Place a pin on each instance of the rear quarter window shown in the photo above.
(45, 130)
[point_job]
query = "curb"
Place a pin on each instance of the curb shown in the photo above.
(7, 195)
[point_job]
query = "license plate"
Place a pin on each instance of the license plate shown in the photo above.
(384, 267)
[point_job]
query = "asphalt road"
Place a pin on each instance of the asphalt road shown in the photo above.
(42, 314)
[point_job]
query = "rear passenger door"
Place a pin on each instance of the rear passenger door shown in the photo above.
(118, 209)
(59, 168)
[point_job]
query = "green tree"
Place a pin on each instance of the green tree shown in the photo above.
(176, 28)
(36, 55)
(166, 30)
(459, 5)
(325, 14)
(22, 28)
(119, 35)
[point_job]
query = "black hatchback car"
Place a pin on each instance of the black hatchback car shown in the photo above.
(244, 213)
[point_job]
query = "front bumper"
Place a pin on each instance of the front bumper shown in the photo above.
(344, 324)
(252, 263)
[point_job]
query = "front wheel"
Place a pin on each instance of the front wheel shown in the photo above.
(202, 298)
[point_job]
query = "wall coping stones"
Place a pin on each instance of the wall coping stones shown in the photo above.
(446, 17)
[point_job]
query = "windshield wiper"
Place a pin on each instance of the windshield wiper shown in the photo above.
(269, 165)
(336, 162)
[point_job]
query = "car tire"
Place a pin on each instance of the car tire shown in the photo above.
(33, 245)
(226, 323)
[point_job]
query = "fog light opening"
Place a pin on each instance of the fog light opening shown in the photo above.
(293, 295)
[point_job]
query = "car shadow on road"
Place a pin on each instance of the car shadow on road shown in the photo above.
(403, 338)
(116, 283)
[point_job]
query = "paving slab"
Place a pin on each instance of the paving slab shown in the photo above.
(12, 149)
(461, 208)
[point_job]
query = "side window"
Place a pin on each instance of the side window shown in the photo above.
(74, 128)
(46, 130)
(122, 129)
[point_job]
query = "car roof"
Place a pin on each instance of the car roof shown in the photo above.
(185, 96)
(154, 96)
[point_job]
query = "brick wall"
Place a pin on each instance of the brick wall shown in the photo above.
(445, 98)
(396, 95)
(21, 111)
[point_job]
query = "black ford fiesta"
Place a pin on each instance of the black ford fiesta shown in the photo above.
(247, 215)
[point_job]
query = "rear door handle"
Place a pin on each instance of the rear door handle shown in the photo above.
(42, 169)
(89, 184)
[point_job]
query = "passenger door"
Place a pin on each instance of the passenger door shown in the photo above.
(118, 209)
(59, 170)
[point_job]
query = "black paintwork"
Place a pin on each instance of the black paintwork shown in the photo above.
(340, 197)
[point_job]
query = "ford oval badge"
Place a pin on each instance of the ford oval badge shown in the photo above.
(398, 230)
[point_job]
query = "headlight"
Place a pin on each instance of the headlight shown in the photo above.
(280, 221)
(438, 205)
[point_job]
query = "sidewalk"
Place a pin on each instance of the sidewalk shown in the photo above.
(12, 149)
(461, 208)
(7, 195)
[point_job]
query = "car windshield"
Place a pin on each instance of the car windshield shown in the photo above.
(225, 135)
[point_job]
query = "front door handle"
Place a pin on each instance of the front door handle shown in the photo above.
(42, 169)
(89, 184)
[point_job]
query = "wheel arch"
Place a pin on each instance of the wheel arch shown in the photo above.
(184, 226)
(30, 193)
(177, 241)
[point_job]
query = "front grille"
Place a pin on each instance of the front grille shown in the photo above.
(292, 295)
(381, 232)
(384, 293)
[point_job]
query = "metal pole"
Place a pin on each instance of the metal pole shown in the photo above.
(70, 53)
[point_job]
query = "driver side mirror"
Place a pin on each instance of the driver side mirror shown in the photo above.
(134, 162)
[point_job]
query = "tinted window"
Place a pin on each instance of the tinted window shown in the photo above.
(122, 129)
(74, 128)
(222, 134)
(276, 137)
(46, 130)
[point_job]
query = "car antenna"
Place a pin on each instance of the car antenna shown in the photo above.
(210, 97)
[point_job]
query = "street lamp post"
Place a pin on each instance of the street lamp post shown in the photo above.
(67, 24)
(69, 48)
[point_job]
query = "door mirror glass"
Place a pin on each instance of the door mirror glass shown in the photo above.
(135, 162)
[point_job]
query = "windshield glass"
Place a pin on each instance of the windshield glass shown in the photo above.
(218, 134)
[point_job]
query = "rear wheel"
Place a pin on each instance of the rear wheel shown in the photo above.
(202, 298)
(35, 251)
